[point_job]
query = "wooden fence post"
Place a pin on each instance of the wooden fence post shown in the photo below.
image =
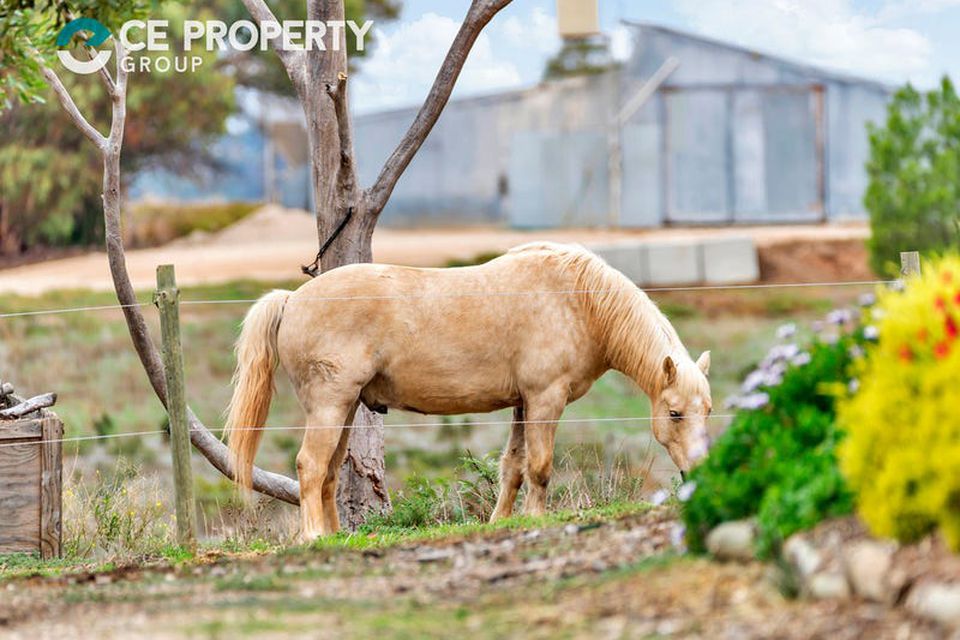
(909, 263)
(167, 299)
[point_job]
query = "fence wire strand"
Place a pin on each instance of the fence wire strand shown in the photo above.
(469, 294)
(387, 427)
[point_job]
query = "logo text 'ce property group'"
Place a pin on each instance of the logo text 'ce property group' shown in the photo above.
(137, 36)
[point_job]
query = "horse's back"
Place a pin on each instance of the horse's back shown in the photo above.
(434, 339)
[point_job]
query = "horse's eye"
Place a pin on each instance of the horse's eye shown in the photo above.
(675, 415)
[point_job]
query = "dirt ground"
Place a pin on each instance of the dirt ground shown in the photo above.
(272, 243)
(618, 579)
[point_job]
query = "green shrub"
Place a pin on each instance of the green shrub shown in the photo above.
(776, 461)
(913, 194)
(903, 450)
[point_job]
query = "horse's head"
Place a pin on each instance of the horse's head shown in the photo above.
(681, 409)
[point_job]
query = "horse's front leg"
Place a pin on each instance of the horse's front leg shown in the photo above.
(540, 432)
(511, 468)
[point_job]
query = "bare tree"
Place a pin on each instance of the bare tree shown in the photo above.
(346, 215)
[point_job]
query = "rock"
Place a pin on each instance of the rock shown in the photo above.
(826, 585)
(936, 601)
(434, 555)
(867, 565)
(803, 558)
(732, 540)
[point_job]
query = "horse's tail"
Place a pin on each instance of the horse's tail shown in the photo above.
(253, 382)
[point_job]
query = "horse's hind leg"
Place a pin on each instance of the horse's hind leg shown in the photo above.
(321, 439)
(540, 433)
(329, 492)
(511, 468)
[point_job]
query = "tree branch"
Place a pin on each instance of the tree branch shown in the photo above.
(271, 484)
(293, 61)
(63, 96)
(347, 176)
(479, 14)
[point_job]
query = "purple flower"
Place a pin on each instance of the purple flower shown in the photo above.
(754, 401)
(867, 300)
(854, 385)
(839, 317)
(801, 359)
(787, 331)
(817, 326)
(753, 380)
(870, 332)
(678, 533)
(856, 352)
(779, 353)
(659, 497)
(686, 491)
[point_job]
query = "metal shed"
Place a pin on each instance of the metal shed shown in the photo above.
(731, 136)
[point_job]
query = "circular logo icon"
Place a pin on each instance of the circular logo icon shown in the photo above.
(100, 34)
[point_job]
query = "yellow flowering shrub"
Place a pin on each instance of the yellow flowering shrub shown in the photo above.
(902, 450)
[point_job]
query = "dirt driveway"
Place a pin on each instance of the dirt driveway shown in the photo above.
(272, 243)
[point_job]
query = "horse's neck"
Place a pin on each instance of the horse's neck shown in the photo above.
(638, 340)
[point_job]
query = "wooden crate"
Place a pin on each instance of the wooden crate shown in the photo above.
(30, 485)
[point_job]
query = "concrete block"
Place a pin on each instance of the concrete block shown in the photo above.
(674, 263)
(730, 261)
(630, 259)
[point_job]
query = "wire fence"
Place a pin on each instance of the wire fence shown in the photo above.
(467, 294)
(412, 425)
(591, 421)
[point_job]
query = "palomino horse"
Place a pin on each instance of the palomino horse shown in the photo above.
(531, 330)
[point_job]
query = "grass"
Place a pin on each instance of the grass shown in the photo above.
(369, 537)
(389, 536)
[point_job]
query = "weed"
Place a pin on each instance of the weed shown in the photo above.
(121, 515)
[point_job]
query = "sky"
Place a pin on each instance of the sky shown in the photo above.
(893, 41)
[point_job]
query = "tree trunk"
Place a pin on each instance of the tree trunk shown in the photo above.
(337, 195)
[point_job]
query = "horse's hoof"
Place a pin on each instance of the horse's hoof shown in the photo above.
(308, 538)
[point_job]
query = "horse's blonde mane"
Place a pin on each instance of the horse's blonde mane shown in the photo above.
(636, 333)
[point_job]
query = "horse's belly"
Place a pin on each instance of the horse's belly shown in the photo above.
(424, 391)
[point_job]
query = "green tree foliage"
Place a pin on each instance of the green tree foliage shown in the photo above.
(580, 57)
(49, 173)
(914, 168)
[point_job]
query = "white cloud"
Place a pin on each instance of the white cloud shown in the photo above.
(829, 33)
(537, 32)
(404, 63)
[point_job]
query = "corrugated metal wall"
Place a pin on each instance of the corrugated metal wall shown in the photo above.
(731, 137)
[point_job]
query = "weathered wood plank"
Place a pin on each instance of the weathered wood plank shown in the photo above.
(19, 497)
(29, 406)
(51, 482)
(20, 430)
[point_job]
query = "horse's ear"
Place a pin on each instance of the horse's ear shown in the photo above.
(704, 362)
(669, 370)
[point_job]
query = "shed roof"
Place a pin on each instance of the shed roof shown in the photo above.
(800, 68)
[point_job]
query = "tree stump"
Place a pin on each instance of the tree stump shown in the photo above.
(31, 464)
